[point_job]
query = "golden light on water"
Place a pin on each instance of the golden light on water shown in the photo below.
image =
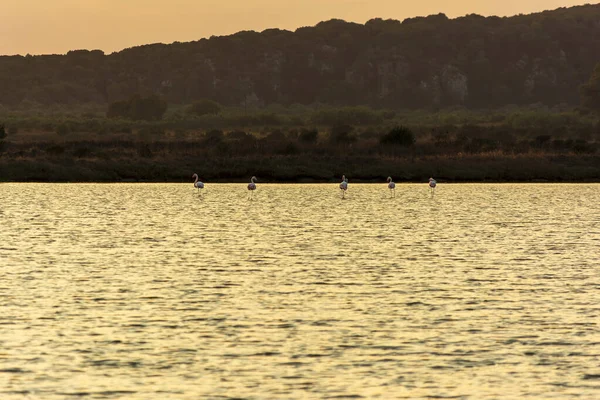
(144, 291)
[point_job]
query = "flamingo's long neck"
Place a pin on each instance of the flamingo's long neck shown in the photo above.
(196, 178)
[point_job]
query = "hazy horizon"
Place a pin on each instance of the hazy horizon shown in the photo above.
(36, 27)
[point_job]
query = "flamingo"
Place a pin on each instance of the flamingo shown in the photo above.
(197, 184)
(391, 186)
(344, 185)
(432, 185)
(252, 185)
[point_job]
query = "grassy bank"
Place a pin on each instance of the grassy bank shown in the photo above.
(302, 144)
(175, 162)
(298, 169)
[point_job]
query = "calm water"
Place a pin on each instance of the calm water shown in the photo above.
(150, 291)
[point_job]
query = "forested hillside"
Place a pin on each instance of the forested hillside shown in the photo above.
(434, 61)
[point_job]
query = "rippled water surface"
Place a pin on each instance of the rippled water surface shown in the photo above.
(151, 291)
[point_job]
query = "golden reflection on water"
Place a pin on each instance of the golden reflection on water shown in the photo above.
(140, 291)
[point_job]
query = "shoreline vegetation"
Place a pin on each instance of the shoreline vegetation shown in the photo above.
(299, 144)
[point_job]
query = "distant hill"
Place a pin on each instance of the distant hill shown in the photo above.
(432, 61)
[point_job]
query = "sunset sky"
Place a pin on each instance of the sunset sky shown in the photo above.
(56, 26)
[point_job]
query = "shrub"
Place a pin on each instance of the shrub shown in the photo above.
(370, 133)
(541, 140)
(559, 144)
(237, 135)
(290, 149)
(583, 147)
(269, 119)
(347, 115)
(398, 136)
(478, 145)
(180, 133)
(149, 108)
(151, 131)
(388, 114)
(82, 152)
(144, 151)
(55, 150)
(101, 130)
(213, 138)
(341, 134)
(275, 137)
(441, 137)
(292, 134)
(308, 135)
(63, 129)
(204, 107)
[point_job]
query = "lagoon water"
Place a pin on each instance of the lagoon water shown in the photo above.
(151, 291)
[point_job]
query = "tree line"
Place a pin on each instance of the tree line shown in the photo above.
(434, 61)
